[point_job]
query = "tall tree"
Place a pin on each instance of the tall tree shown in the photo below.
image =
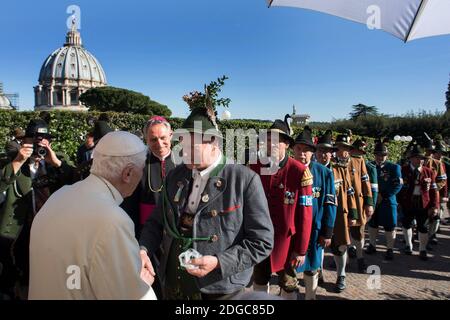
(122, 100)
(362, 110)
(447, 94)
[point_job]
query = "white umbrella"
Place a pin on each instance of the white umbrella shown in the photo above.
(405, 19)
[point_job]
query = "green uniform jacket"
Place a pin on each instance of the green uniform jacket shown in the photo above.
(17, 209)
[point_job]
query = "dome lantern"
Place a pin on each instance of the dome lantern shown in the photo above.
(67, 73)
(73, 37)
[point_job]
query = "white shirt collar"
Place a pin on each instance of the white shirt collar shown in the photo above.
(34, 169)
(413, 168)
(163, 157)
(206, 172)
(381, 164)
(277, 163)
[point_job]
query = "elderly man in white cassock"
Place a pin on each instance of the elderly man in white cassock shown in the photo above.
(82, 243)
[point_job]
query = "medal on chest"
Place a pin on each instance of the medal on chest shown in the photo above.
(338, 183)
(180, 185)
(289, 197)
(427, 183)
(316, 192)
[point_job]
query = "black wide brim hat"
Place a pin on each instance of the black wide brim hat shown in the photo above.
(440, 147)
(37, 127)
(325, 141)
(359, 145)
(305, 138)
(326, 147)
(380, 149)
(282, 128)
(343, 140)
(101, 128)
(417, 151)
(284, 135)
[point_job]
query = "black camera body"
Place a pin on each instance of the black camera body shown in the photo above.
(38, 150)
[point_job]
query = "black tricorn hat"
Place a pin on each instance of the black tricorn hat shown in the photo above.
(283, 129)
(101, 128)
(325, 141)
(360, 145)
(37, 127)
(416, 150)
(441, 147)
(426, 142)
(305, 137)
(343, 140)
(380, 148)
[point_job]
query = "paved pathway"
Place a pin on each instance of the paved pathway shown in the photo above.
(406, 277)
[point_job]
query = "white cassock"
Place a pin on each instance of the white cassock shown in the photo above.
(83, 246)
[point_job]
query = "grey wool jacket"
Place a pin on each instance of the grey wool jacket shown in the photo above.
(235, 218)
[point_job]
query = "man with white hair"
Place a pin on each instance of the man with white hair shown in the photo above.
(140, 205)
(82, 243)
(212, 224)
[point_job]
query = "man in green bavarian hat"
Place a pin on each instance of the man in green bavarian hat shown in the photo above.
(214, 207)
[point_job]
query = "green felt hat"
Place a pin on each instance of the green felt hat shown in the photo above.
(199, 121)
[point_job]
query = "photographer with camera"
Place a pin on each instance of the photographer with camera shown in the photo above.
(28, 178)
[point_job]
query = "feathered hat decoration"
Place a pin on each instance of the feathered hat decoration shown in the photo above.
(208, 100)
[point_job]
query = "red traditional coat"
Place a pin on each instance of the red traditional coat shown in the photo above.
(289, 195)
(428, 187)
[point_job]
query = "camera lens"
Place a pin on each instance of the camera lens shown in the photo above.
(41, 151)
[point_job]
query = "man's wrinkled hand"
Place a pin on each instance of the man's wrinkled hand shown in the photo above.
(205, 265)
(297, 260)
(369, 211)
(50, 157)
(324, 242)
(433, 212)
(147, 271)
(25, 151)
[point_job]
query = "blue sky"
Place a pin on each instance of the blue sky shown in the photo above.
(274, 57)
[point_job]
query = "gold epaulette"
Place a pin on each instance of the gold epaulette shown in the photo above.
(307, 179)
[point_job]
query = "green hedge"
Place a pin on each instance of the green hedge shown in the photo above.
(69, 128)
(406, 125)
